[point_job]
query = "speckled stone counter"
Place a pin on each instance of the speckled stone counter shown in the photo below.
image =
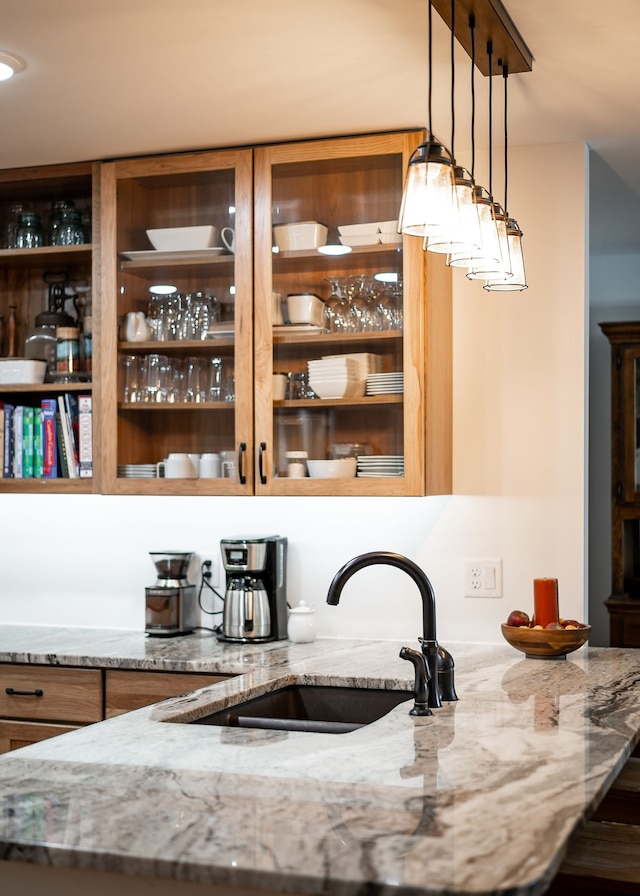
(480, 798)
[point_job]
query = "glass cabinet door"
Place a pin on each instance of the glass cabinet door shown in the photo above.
(339, 337)
(178, 324)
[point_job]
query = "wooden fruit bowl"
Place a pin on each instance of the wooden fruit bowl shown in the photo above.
(550, 643)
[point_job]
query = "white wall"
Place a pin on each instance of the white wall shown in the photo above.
(519, 465)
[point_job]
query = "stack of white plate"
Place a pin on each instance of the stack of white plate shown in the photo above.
(336, 377)
(379, 465)
(137, 471)
(385, 383)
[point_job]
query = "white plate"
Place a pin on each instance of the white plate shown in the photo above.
(361, 475)
(185, 254)
(299, 328)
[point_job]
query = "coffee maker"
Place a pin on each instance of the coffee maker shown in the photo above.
(171, 602)
(255, 601)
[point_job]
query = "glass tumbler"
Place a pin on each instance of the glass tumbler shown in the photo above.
(155, 383)
(214, 379)
(129, 378)
(195, 387)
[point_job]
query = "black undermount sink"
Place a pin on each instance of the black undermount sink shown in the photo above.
(318, 708)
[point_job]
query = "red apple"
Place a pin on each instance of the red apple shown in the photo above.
(517, 618)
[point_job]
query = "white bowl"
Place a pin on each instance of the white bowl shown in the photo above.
(183, 239)
(21, 371)
(358, 229)
(305, 308)
(305, 235)
(341, 468)
(388, 226)
(360, 239)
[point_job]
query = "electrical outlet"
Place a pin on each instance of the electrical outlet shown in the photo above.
(483, 578)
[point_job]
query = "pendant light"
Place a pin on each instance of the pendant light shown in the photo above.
(483, 268)
(427, 201)
(463, 233)
(489, 247)
(516, 281)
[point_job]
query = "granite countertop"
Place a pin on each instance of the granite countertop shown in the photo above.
(480, 798)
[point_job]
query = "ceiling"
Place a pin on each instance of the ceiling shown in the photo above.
(113, 78)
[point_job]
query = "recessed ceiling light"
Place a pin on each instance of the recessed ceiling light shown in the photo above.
(10, 65)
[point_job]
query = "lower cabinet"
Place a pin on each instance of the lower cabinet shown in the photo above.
(38, 702)
(126, 690)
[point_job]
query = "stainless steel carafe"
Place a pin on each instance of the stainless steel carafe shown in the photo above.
(246, 609)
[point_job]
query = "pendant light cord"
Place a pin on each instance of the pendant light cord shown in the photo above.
(472, 28)
(430, 67)
(453, 82)
(505, 76)
(490, 55)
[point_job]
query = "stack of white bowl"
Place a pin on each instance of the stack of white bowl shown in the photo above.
(336, 377)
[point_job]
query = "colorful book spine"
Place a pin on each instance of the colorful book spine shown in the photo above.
(71, 408)
(49, 439)
(85, 437)
(18, 440)
(27, 443)
(38, 453)
(7, 452)
(63, 461)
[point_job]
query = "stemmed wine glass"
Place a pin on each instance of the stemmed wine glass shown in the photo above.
(337, 312)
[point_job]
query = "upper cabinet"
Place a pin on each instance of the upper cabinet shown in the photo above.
(49, 287)
(355, 374)
(250, 352)
(177, 368)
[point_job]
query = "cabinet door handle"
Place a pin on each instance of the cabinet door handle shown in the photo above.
(12, 692)
(263, 448)
(241, 451)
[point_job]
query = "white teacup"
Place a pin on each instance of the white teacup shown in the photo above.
(210, 466)
(136, 328)
(228, 237)
(279, 386)
(176, 466)
(228, 464)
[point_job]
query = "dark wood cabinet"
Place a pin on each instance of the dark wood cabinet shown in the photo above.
(624, 602)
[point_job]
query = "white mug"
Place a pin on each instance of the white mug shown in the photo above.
(210, 466)
(229, 241)
(280, 386)
(228, 464)
(176, 466)
(136, 328)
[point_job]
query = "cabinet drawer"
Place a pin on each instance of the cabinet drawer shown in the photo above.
(14, 735)
(51, 693)
(131, 690)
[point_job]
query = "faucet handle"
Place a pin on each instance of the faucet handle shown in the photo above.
(421, 683)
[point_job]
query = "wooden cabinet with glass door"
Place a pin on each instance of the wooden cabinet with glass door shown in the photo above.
(47, 278)
(367, 382)
(624, 602)
(177, 325)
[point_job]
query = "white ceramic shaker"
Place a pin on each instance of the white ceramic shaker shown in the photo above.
(301, 627)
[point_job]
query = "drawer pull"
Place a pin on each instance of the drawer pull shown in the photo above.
(12, 692)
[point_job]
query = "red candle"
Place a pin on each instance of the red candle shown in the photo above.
(545, 601)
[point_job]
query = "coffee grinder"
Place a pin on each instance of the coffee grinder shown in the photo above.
(255, 604)
(171, 602)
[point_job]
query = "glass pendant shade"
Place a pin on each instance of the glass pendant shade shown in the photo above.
(464, 235)
(517, 281)
(427, 201)
(489, 252)
(485, 270)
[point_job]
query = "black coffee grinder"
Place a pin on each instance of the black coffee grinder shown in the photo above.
(170, 604)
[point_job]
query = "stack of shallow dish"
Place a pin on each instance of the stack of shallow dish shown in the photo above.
(379, 465)
(369, 234)
(385, 383)
(336, 377)
(137, 471)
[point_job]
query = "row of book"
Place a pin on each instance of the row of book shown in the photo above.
(51, 441)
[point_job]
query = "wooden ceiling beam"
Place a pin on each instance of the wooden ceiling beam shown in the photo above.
(493, 23)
